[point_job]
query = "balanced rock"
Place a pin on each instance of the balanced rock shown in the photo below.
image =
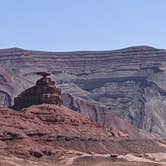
(44, 91)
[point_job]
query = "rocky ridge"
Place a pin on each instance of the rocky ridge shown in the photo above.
(52, 135)
(129, 82)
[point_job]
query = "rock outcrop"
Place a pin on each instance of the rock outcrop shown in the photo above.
(129, 82)
(44, 91)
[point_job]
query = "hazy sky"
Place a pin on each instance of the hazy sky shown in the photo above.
(61, 25)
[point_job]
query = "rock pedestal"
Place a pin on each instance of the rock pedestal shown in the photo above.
(44, 91)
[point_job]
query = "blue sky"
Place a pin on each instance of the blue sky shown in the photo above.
(66, 25)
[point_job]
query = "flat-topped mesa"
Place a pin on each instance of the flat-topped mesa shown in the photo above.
(44, 91)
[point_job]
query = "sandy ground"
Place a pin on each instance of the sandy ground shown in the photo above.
(77, 158)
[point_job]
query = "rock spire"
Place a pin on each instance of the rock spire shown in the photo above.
(44, 91)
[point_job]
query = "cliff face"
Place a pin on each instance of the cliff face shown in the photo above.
(128, 82)
(104, 117)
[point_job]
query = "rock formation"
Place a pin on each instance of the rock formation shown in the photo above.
(51, 135)
(44, 91)
(44, 132)
(129, 82)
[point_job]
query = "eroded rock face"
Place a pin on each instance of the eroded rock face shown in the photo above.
(47, 126)
(38, 131)
(5, 99)
(44, 91)
(130, 82)
(140, 101)
(104, 117)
